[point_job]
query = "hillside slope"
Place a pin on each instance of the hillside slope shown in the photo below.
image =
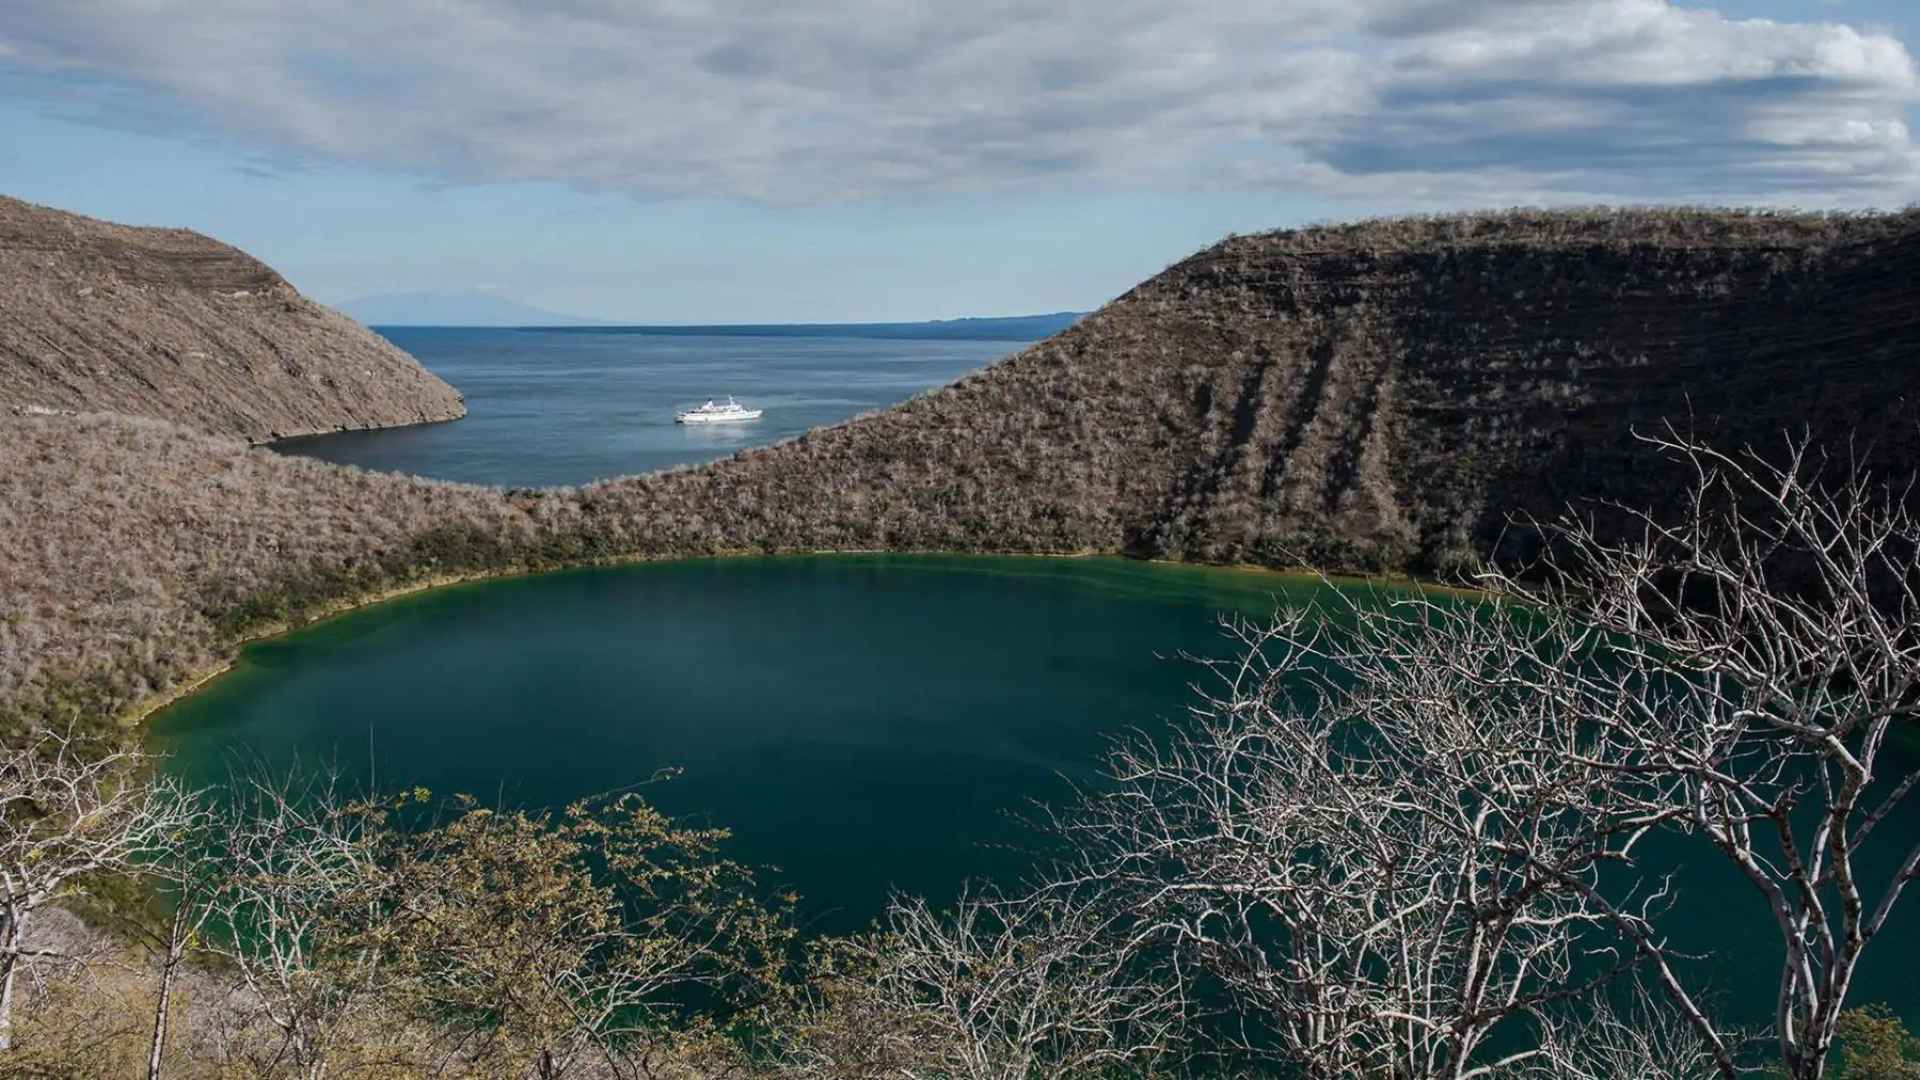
(1380, 396)
(167, 323)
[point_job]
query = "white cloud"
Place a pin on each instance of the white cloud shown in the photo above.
(798, 100)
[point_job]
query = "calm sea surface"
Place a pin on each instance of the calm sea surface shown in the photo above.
(864, 723)
(552, 407)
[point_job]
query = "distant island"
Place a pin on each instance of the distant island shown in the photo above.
(481, 309)
(990, 328)
(460, 308)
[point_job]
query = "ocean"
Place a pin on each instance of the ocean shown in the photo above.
(569, 406)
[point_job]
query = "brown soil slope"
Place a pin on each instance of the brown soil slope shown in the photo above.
(170, 324)
(1381, 396)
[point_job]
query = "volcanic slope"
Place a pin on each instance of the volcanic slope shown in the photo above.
(168, 323)
(1384, 396)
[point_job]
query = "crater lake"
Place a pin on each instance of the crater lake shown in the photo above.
(864, 724)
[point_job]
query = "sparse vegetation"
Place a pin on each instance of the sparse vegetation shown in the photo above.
(1875, 1045)
(1372, 397)
(1368, 397)
(169, 323)
(1403, 841)
(136, 552)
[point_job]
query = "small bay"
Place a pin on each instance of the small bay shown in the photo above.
(557, 407)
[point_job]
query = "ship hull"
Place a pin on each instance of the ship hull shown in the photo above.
(741, 418)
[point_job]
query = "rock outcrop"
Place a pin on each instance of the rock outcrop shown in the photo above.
(168, 323)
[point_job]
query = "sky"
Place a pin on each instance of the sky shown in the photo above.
(702, 161)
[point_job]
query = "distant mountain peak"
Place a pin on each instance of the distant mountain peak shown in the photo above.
(472, 307)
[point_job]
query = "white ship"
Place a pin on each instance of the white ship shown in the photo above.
(715, 413)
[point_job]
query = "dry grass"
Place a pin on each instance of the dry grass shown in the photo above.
(93, 1021)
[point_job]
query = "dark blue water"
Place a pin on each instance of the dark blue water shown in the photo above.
(549, 407)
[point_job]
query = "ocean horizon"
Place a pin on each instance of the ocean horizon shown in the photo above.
(558, 406)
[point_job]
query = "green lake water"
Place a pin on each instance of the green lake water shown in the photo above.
(862, 723)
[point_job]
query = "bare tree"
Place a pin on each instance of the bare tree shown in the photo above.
(299, 875)
(1642, 1038)
(67, 813)
(190, 874)
(999, 989)
(1367, 848)
(1779, 618)
(1410, 811)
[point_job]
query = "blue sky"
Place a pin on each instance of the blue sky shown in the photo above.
(788, 160)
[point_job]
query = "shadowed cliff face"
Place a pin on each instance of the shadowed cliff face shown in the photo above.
(1383, 396)
(170, 324)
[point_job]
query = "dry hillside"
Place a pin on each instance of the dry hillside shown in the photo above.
(170, 324)
(1379, 396)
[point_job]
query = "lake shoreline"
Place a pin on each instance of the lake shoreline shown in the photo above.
(861, 720)
(274, 442)
(869, 723)
(140, 713)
